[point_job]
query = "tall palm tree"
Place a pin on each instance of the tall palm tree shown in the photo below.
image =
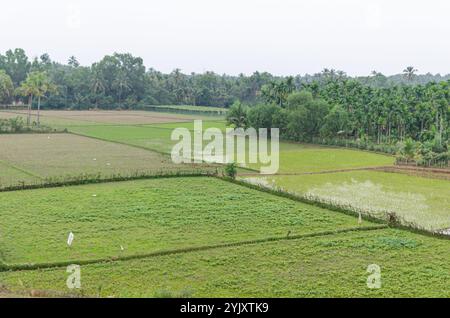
(45, 87)
(28, 88)
(73, 61)
(37, 84)
(97, 84)
(409, 73)
(122, 83)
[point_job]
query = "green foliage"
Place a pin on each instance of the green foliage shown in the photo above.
(278, 92)
(306, 117)
(16, 65)
(231, 170)
(387, 115)
(384, 120)
(237, 115)
(428, 153)
(38, 84)
(335, 123)
(407, 149)
(299, 99)
(6, 88)
(265, 116)
(16, 125)
(12, 125)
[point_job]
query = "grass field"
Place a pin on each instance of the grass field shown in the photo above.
(148, 216)
(301, 158)
(152, 137)
(33, 157)
(423, 201)
(327, 266)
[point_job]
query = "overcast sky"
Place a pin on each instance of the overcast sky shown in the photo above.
(237, 36)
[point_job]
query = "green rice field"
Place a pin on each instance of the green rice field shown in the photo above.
(422, 201)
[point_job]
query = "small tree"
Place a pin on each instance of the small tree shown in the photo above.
(231, 170)
(237, 115)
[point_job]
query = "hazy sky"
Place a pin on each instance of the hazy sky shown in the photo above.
(234, 36)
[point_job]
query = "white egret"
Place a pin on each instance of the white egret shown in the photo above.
(70, 239)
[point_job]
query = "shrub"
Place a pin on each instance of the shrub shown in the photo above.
(231, 170)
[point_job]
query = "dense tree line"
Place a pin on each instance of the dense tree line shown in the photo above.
(122, 80)
(343, 111)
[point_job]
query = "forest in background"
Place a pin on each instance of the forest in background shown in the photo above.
(122, 81)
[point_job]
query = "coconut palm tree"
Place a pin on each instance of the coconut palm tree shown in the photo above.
(28, 88)
(45, 87)
(122, 84)
(97, 84)
(409, 73)
(37, 84)
(237, 115)
(73, 61)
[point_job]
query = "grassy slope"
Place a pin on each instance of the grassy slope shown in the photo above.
(423, 201)
(147, 216)
(330, 266)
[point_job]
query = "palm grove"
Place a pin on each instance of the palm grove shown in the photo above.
(406, 113)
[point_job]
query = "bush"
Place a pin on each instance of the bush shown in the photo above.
(17, 125)
(231, 170)
(12, 125)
